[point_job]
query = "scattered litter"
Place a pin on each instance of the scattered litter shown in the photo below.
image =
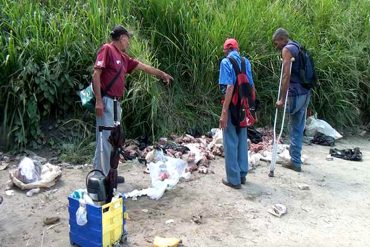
(6, 159)
(254, 159)
(164, 174)
(197, 219)
(363, 133)
(278, 210)
(323, 140)
(166, 242)
(52, 226)
(314, 125)
(347, 154)
(203, 170)
(195, 152)
(303, 186)
(145, 210)
(36, 159)
(254, 135)
(32, 192)
(51, 220)
(9, 192)
(9, 185)
(3, 165)
(265, 144)
(305, 209)
(329, 157)
(136, 193)
(170, 221)
(50, 174)
(81, 214)
(28, 171)
(217, 138)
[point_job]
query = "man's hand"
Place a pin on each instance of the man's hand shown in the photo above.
(99, 107)
(166, 77)
(280, 103)
(223, 120)
(153, 71)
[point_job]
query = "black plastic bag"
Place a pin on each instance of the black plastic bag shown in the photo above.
(347, 154)
(322, 139)
(254, 135)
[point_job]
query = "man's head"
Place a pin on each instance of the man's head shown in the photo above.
(230, 45)
(280, 38)
(121, 37)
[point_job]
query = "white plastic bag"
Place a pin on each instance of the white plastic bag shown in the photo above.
(194, 149)
(81, 214)
(175, 167)
(158, 171)
(314, 125)
(217, 138)
(28, 172)
(157, 191)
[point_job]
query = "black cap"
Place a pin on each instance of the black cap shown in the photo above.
(118, 31)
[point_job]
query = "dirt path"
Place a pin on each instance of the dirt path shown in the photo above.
(334, 212)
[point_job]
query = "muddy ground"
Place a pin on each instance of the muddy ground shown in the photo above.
(335, 211)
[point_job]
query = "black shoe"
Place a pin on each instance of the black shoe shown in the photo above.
(238, 186)
(120, 180)
(292, 167)
(242, 180)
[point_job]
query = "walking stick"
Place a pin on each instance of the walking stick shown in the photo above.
(276, 140)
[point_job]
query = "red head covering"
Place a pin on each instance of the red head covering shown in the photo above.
(231, 44)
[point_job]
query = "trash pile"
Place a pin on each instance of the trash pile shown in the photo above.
(196, 152)
(174, 158)
(346, 154)
(32, 175)
(321, 132)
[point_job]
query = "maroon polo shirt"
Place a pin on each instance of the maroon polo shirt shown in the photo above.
(109, 60)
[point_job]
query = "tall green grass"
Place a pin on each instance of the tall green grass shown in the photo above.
(47, 52)
(193, 33)
(48, 49)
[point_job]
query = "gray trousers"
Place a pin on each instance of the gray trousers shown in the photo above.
(106, 120)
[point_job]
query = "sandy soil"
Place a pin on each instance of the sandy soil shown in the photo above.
(335, 211)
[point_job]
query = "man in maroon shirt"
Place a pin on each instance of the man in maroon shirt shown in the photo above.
(111, 66)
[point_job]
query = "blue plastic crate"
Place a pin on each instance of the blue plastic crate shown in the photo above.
(103, 224)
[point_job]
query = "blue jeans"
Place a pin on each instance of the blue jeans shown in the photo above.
(106, 120)
(236, 152)
(296, 108)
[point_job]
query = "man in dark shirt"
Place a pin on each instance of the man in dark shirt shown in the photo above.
(298, 96)
(112, 61)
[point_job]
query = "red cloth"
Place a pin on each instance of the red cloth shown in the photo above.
(110, 60)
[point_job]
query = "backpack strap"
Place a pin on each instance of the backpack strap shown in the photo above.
(104, 92)
(236, 68)
(110, 84)
(244, 67)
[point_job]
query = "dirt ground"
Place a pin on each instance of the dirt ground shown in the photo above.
(335, 211)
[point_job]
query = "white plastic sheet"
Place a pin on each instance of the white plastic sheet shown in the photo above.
(314, 125)
(164, 176)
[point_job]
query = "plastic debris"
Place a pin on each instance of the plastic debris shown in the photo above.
(32, 192)
(166, 242)
(170, 221)
(278, 210)
(3, 165)
(347, 154)
(303, 186)
(51, 220)
(329, 157)
(314, 125)
(9, 192)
